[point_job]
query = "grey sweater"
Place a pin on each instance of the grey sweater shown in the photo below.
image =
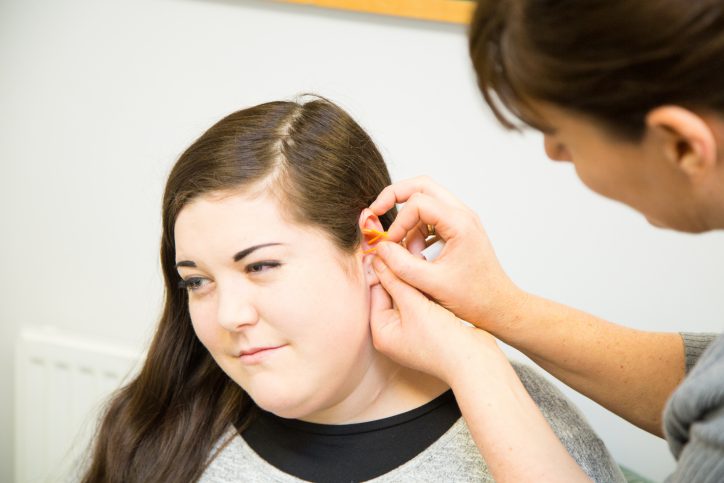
(694, 415)
(453, 457)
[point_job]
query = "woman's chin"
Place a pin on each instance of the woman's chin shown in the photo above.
(279, 406)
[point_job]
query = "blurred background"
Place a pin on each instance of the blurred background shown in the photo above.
(98, 98)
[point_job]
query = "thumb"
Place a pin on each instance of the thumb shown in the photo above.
(405, 298)
(412, 270)
(380, 303)
(384, 320)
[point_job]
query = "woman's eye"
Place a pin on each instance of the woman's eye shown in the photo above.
(193, 283)
(261, 266)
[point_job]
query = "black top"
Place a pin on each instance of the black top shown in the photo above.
(350, 452)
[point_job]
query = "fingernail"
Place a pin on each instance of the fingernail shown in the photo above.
(379, 265)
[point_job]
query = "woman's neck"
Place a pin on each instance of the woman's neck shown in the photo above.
(385, 389)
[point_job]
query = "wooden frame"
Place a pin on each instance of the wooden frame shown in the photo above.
(452, 11)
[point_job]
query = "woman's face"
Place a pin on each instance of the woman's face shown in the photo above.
(637, 174)
(282, 311)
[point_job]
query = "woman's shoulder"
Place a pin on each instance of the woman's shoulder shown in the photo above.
(453, 457)
(546, 395)
(570, 426)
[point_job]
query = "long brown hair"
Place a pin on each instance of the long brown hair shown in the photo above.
(612, 60)
(161, 426)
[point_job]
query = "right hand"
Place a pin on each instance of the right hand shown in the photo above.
(466, 278)
(418, 333)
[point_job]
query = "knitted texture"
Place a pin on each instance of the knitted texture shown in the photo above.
(694, 418)
(453, 457)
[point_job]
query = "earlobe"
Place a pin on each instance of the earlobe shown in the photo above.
(370, 274)
(368, 220)
(688, 142)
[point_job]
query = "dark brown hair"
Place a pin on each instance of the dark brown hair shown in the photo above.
(611, 60)
(162, 426)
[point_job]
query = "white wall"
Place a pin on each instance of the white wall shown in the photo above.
(97, 98)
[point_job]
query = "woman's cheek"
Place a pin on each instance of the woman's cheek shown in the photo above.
(203, 326)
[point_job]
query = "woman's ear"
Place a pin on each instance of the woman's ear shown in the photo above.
(687, 140)
(368, 221)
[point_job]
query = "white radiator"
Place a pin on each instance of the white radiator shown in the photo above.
(60, 383)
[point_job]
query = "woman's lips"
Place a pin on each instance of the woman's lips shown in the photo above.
(258, 354)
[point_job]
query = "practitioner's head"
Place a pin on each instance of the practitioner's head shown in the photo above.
(262, 222)
(630, 92)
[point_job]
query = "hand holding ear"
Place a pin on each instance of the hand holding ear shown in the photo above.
(503, 419)
(466, 278)
(418, 333)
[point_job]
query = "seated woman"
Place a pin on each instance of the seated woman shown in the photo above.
(263, 367)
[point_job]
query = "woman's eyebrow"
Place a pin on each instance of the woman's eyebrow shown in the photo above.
(243, 253)
(185, 263)
(239, 255)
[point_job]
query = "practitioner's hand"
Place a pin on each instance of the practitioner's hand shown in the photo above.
(505, 423)
(466, 278)
(418, 333)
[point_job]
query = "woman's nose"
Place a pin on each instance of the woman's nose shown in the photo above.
(235, 310)
(555, 150)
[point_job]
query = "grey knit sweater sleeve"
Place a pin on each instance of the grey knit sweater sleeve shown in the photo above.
(694, 345)
(453, 457)
(694, 420)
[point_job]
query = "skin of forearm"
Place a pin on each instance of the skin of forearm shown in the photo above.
(512, 435)
(630, 372)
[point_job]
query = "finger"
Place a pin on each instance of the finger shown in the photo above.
(423, 210)
(401, 191)
(415, 273)
(384, 321)
(405, 297)
(415, 240)
(380, 300)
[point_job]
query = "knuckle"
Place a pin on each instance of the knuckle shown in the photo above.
(416, 197)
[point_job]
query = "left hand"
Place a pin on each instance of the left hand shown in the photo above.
(418, 333)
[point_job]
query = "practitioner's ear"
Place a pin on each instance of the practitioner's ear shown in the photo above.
(368, 220)
(686, 140)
